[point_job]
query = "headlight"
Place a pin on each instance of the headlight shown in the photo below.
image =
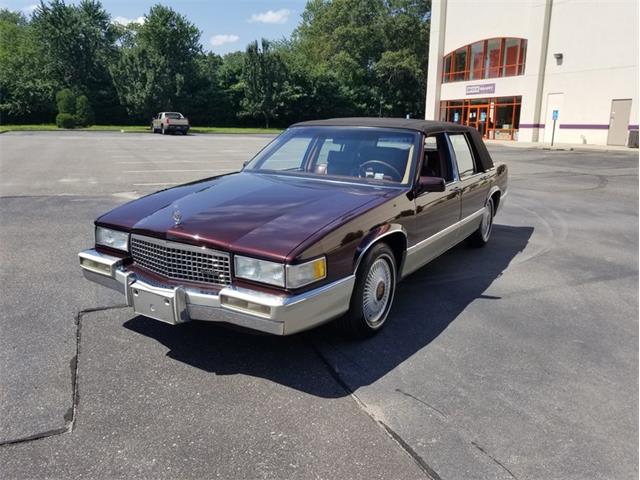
(306, 273)
(112, 238)
(259, 270)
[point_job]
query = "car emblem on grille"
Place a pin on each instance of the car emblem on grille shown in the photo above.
(177, 217)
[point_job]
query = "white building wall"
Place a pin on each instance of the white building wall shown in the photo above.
(599, 43)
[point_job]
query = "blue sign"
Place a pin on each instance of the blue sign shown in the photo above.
(456, 116)
(555, 115)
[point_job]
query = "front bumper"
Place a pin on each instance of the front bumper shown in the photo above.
(276, 314)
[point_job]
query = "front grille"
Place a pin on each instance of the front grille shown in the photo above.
(180, 261)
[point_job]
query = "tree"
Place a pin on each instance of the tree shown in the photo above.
(263, 77)
(26, 88)
(78, 42)
(347, 57)
(66, 101)
(360, 42)
(84, 113)
(157, 66)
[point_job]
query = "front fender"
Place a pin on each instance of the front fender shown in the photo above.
(389, 231)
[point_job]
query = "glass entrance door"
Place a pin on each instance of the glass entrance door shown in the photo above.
(478, 118)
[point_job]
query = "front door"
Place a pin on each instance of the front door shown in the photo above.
(477, 117)
(619, 122)
(436, 213)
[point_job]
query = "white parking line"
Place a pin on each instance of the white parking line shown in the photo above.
(169, 171)
(159, 184)
(163, 161)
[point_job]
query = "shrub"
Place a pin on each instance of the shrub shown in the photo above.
(84, 112)
(66, 101)
(65, 120)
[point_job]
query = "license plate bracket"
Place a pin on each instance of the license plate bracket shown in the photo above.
(159, 304)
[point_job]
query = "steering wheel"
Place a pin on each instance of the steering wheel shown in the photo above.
(390, 168)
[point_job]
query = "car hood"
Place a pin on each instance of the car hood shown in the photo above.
(255, 214)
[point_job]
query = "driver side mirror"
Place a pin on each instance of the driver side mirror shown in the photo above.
(431, 184)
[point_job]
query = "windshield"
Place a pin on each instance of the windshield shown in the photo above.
(371, 155)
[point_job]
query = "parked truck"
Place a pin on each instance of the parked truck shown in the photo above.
(170, 122)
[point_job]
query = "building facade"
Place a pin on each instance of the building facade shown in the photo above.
(530, 70)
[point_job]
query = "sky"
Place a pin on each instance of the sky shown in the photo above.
(226, 25)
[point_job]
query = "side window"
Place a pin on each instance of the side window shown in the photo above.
(437, 160)
(329, 145)
(464, 157)
(289, 156)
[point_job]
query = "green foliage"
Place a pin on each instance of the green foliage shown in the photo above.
(360, 42)
(347, 57)
(66, 101)
(78, 43)
(84, 113)
(26, 89)
(263, 79)
(65, 120)
(157, 68)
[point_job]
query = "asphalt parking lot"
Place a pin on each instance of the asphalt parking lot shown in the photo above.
(519, 360)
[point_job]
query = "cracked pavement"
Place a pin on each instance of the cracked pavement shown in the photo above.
(519, 360)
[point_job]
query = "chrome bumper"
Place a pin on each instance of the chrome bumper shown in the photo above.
(276, 314)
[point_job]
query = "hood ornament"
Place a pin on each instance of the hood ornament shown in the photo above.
(177, 216)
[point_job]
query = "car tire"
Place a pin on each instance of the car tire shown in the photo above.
(481, 236)
(372, 295)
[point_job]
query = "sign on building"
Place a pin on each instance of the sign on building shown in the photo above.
(481, 89)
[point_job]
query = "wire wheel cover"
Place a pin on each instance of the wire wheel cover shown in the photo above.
(378, 290)
(487, 221)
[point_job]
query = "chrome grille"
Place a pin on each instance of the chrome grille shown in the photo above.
(180, 261)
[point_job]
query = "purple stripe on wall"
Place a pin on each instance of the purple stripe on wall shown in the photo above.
(585, 126)
(532, 125)
(633, 127)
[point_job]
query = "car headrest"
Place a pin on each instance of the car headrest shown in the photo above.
(431, 165)
(339, 163)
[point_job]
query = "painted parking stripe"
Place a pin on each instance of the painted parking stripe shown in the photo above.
(171, 171)
(158, 184)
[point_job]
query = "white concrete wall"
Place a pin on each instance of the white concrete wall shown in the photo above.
(599, 44)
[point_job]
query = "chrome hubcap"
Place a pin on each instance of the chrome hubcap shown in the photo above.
(487, 221)
(378, 289)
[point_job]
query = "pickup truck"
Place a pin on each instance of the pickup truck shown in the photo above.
(169, 122)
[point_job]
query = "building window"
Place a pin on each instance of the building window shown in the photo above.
(492, 58)
(495, 118)
(477, 60)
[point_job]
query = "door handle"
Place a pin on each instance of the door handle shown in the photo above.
(456, 190)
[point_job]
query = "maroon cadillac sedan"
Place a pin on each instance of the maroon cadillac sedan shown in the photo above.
(319, 226)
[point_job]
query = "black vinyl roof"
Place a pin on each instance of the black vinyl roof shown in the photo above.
(425, 126)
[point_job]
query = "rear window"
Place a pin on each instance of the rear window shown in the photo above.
(464, 157)
(173, 115)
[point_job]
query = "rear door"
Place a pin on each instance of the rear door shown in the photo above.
(474, 183)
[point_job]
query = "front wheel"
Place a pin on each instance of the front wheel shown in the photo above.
(481, 236)
(372, 294)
